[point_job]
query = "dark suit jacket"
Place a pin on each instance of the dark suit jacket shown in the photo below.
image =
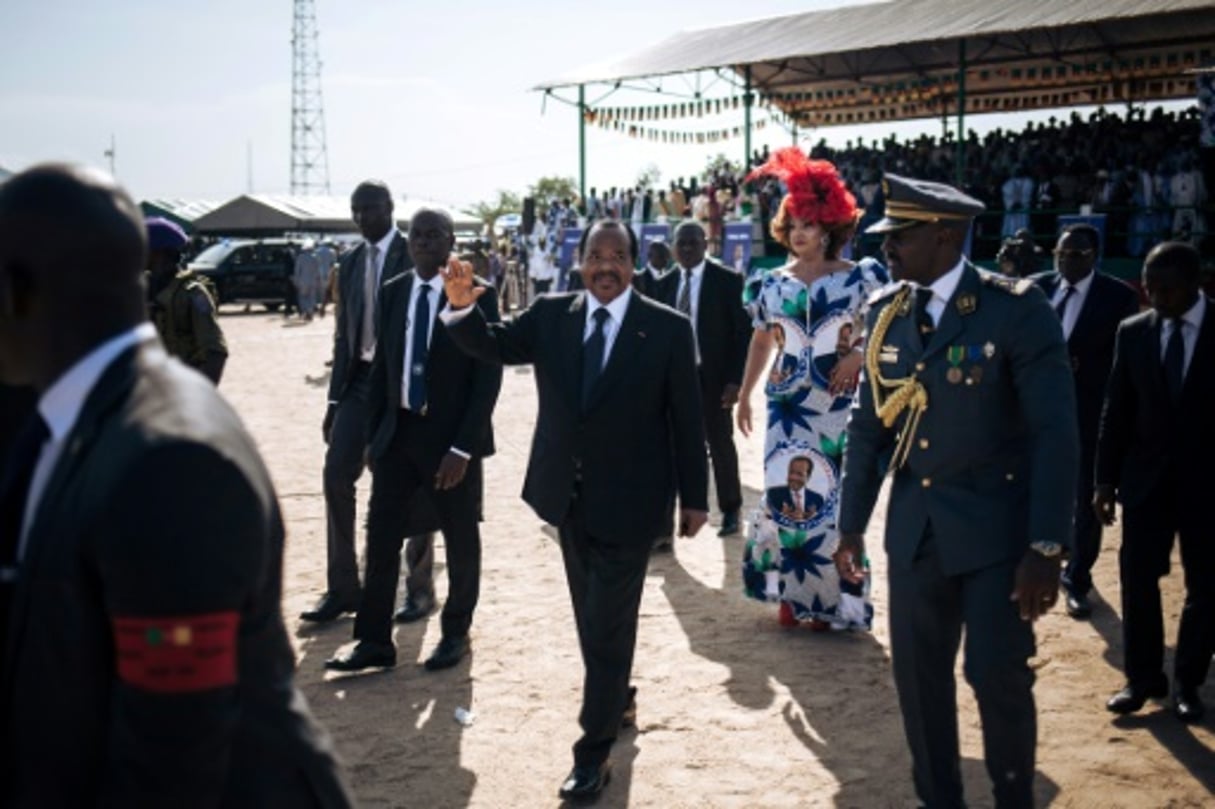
(780, 496)
(723, 329)
(159, 508)
(461, 391)
(1091, 345)
(1147, 440)
(573, 280)
(993, 466)
(647, 284)
(16, 405)
(646, 401)
(346, 342)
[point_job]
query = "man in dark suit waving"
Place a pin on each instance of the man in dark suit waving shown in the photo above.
(430, 406)
(145, 660)
(619, 423)
(1090, 306)
(1154, 455)
(710, 295)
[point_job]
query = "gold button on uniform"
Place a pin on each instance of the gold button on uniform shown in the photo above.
(926, 482)
(919, 366)
(923, 443)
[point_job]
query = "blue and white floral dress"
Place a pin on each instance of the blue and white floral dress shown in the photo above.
(788, 553)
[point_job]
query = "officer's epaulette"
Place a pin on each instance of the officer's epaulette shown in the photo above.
(1013, 286)
(881, 293)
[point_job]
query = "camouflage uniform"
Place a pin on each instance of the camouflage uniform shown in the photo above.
(184, 314)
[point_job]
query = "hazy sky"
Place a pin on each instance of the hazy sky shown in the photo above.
(434, 98)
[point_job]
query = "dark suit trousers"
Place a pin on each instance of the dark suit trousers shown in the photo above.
(420, 561)
(928, 611)
(343, 467)
(1147, 542)
(397, 476)
(719, 432)
(605, 583)
(420, 549)
(1086, 531)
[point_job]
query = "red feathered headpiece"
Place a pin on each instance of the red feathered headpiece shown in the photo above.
(816, 192)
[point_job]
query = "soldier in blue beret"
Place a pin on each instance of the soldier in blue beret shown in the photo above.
(181, 304)
(967, 402)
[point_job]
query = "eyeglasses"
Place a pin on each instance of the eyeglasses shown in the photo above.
(1065, 253)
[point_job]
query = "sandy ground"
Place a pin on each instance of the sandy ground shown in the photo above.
(733, 710)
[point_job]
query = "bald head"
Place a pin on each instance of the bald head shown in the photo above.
(72, 255)
(72, 220)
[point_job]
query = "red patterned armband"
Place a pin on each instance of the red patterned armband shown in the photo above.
(179, 654)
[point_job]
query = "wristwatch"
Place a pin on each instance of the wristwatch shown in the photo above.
(1050, 550)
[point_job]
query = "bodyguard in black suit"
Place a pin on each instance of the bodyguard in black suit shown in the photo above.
(384, 254)
(1090, 306)
(649, 279)
(710, 295)
(430, 407)
(619, 424)
(145, 660)
(1154, 456)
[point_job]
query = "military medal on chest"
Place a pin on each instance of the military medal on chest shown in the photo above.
(955, 355)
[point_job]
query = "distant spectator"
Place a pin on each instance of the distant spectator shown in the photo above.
(1018, 194)
(308, 277)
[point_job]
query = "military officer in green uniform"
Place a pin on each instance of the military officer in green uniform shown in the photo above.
(181, 305)
(967, 402)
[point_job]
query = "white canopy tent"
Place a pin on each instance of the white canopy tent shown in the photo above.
(264, 215)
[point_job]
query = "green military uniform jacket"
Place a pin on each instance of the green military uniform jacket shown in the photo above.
(992, 464)
(185, 316)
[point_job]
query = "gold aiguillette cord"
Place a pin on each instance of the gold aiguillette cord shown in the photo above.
(893, 396)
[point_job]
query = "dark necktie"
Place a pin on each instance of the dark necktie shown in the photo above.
(684, 304)
(1061, 308)
(417, 364)
(370, 277)
(14, 489)
(1174, 360)
(592, 355)
(923, 296)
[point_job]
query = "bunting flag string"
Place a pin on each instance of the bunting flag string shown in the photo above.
(652, 134)
(853, 100)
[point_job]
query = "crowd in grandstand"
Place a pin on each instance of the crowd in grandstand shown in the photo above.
(1140, 170)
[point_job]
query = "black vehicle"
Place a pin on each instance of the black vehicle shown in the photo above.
(245, 270)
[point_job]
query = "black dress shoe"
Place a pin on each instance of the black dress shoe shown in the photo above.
(664, 544)
(450, 651)
(364, 655)
(729, 524)
(1133, 697)
(628, 719)
(331, 607)
(586, 781)
(1078, 607)
(1187, 705)
(414, 609)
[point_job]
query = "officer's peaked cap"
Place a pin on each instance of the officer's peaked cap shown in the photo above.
(911, 202)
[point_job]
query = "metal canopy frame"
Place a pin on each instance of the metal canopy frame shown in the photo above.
(909, 59)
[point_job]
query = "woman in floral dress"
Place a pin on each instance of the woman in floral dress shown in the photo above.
(811, 312)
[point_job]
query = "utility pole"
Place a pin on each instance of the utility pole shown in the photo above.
(309, 157)
(110, 154)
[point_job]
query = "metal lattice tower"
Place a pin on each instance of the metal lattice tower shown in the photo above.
(309, 157)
